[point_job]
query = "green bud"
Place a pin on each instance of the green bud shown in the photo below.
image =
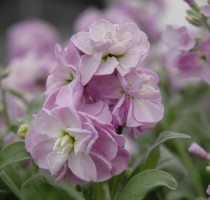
(193, 20)
(128, 172)
(208, 169)
(23, 130)
(4, 73)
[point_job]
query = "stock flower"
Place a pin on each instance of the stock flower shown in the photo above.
(140, 104)
(197, 150)
(64, 80)
(196, 63)
(108, 46)
(29, 74)
(205, 10)
(134, 99)
(188, 58)
(126, 11)
(31, 36)
(182, 40)
(76, 146)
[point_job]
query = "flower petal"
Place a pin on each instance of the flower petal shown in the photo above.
(45, 120)
(82, 42)
(88, 66)
(107, 66)
(82, 166)
(56, 162)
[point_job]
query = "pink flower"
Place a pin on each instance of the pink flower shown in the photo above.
(140, 104)
(197, 150)
(205, 10)
(89, 16)
(76, 146)
(108, 46)
(31, 36)
(182, 40)
(107, 88)
(64, 80)
(29, 74)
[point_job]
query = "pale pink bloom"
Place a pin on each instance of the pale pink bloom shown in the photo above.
(76, 146)
(108, 46)
(29, 74)
(177, 79)
(178, 37)
(140, 105)
(145, 14)
(205, 10)
(64, 80)
(197, 150)
(31, 36)
(89, 16)
(106, 88)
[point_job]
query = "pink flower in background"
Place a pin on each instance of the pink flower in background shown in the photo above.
(76, 146)
(197, 150)
(108, 46)
(28, 74)
(188, 59)
(146, 17)
(31, 36)
(182, 40)
(208, 191)
(205, 10)
(89, 16)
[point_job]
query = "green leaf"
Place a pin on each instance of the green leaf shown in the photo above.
(36, 188)
(13, 153)
(35, 105)
(150, 160)
(144, 182)
(12, 179)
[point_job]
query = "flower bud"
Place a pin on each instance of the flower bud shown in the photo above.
(23, 130)
(193, 20)
(198, 151)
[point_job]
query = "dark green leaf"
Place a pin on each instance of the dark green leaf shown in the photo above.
(37, 188)
(144, 182)
(13, 153)
(150, 160)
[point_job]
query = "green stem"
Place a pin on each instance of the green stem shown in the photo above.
(190, 167)
(205, 23)
(6, 178)
(4, 105)
(113, 188)
(98, 191)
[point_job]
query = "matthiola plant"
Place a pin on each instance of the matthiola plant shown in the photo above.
(86, 113)
(87, 120)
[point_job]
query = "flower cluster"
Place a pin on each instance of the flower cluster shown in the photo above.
(189, 56)
(30, 58)
(145, 15)
(97, 89)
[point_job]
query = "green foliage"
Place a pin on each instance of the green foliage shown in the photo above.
(37, 188)
(13, 153)
(144, 182)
